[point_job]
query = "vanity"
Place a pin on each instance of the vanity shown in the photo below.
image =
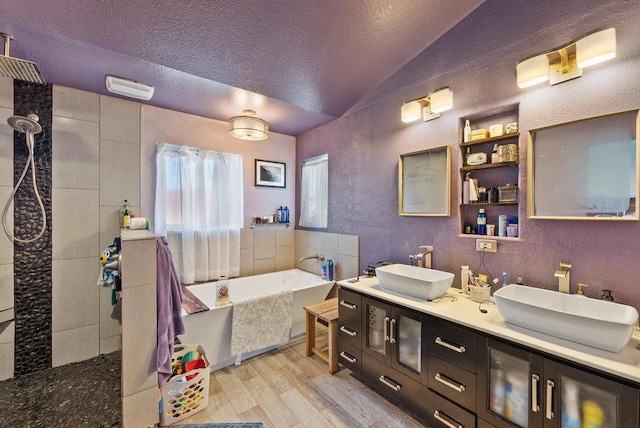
(453, 365)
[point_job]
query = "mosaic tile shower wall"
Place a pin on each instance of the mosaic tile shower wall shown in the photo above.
(33, 261)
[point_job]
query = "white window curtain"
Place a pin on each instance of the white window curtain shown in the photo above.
(199, 208)
(314, 192)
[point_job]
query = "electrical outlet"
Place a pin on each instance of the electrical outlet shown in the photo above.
(487, 245)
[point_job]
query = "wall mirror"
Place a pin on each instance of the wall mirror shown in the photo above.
(424, 182)
(585, 170)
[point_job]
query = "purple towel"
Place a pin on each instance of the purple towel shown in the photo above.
(170, 322)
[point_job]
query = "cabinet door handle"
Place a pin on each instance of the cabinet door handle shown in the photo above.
(386, 329)
(441, 417)
(390, 383)
(348, 331)
(392, 335)
(459, 349)
(450, 382)
(550, 386)
(535, 380)
(348, 357)
(348, 305)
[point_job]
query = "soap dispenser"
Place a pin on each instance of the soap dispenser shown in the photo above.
(580, 292)
(606, 295)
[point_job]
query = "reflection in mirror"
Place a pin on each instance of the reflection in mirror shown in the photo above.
(585, 170)
(424, 182)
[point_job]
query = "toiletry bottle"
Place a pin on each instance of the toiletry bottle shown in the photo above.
(466, 195)
(286, 215)
(222, 291)
(324, 271)
(464, 279)
(473, 190)
(606, 295)
(494, 154)
(467, 131)
(280, 215)
(482, 222)
(329, 270)
(125, 214)
(502, 225)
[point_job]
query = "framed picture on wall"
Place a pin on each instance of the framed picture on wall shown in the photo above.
(271, 174)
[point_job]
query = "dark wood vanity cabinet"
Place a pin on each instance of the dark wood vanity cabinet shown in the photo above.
(453, 376)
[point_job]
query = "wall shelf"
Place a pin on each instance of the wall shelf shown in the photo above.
(489, 204)
(259, 225)
(490, 140)
(468, 168)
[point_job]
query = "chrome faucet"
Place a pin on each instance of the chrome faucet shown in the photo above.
(425, 255)
(563, 275)
(318, 257)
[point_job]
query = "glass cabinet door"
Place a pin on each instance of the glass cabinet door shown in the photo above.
(407, 337)
(377, 329)
(509, 386)
(577, 399)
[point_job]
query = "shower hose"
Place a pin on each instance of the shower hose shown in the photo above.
(30, 161)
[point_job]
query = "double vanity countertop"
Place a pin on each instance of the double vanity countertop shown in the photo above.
(457, 307)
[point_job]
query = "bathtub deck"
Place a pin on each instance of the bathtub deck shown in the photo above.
(284, 388)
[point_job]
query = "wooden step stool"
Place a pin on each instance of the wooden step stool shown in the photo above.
(326, 311)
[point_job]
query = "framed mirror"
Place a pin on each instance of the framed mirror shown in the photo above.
(585, 170)
(424, 183)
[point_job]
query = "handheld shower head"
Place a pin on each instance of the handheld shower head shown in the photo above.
(25, 125)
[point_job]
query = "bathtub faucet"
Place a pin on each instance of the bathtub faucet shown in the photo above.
(318, 257)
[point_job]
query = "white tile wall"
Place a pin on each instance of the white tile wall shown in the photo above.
(6, 246)
(110, 315)
(75, 293)
(119, 173)
(6, 92)
(6, 286)
(6, 149)
(7, 332)
(136, 411)
(246, 261)
(76, 153)
(264, 244)
(344, 250)
(75, 224)
(110, 344)
(264, 266)
(6, 360)
(120, 121)
(78, 344)
(77, 104)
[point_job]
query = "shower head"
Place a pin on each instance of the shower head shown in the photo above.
(16, 68)
(25, 124)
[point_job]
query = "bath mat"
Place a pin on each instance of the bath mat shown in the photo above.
(230, 425)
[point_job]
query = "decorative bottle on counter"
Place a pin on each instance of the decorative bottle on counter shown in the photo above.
(280, 215)
(482, 222)
(125, 214)
(329, 270)
(286, 214)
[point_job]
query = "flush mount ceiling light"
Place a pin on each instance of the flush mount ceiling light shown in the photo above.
(428, 107)
(129, 88)
(567, 62)
(248, 127)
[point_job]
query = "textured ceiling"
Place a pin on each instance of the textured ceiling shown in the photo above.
(310, 61)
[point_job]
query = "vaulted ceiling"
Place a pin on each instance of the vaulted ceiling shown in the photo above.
(298, 63)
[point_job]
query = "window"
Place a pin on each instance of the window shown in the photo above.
(314, 192)
(199, 208)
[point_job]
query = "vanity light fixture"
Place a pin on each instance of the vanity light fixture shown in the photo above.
(248, 127)
(128, 88)
(427, 107)
(567, 62)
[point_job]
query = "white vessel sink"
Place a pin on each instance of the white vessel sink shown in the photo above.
(419, 282)
(598, 323)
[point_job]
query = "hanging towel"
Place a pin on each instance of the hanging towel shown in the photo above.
(261, 322)
(169, 295)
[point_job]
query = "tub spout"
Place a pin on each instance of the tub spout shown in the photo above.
(318, 257)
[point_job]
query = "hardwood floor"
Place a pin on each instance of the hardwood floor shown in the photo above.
(285, 388)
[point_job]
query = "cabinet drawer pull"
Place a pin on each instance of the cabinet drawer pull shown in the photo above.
(348, 305)
(348, 357)
(441, 417)
(535, 380)
(450, 382)
(442, 342)
(390, 383)
(386, 329)
(550, 386)
(348, 331)
(392, 335)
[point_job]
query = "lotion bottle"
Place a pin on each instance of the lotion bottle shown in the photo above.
(482, 222)
(466, 190)
(467, 131)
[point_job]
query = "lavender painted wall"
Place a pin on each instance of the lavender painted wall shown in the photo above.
(477, 59)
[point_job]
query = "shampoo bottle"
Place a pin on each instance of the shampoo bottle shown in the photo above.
(464, 279)
(329, 270)
(286, 215)
(222, 291)
(466, 190)
(482, 222)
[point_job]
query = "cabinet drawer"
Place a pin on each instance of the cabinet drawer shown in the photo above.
(453, 344)
(442, 413)
(394, 385)
(350, 357)
(349, 331)
(449, 380)
(350, 304)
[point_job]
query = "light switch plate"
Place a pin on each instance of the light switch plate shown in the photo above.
(487, 245)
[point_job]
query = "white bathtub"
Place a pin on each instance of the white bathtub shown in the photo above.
(212, 328)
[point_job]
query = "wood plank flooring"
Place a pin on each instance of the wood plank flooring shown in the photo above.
(285, 388)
